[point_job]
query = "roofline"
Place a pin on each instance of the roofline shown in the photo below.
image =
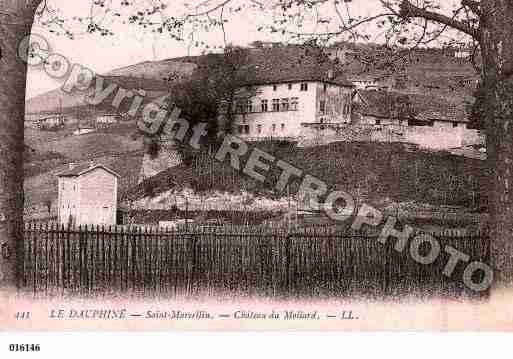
(89, 170)
(260, 83)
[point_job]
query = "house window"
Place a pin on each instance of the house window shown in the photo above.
(249, 106)
(274, 127)
(239, 107)
(282, 127)
(325, 87)
(275, 87)
(290, 86)
(284, 104)
(455, 124)
(294, 104)
(378, 122)
(304, 86)
(276, 104)
(246, 129)
(322, 106)
(259, 129)
(265, 105)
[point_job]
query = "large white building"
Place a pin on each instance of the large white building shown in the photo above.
(291, 87)
(281, 109)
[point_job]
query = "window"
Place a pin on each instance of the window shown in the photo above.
(304, 86)
(274, 127)
(282, 127)
(249, 106)
(241, 129)
(284, 104)
(276, 104)
(275, 87)
(378, 122)
(322, 106)
(455, 124)
(290, 86)
(265, 105)
(325, 87)
(246, 129)
(294, 104)
(239, 107)
(259, 129)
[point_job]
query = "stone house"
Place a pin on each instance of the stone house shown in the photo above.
(87, 194)
(290, 87)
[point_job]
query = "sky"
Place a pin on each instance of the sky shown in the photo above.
(130, 44)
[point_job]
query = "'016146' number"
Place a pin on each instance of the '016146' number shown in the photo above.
(24, 347)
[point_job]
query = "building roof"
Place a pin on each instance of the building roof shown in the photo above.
(287, 63)
(386, 104)
(81, 169)
(291, 63)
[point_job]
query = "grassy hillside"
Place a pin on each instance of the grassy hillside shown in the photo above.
(369, 171)
(87, 145)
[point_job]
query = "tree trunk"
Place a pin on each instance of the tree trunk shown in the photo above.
(497, 51)
(16, 19)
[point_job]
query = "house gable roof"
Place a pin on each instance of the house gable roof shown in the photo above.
(82, 169)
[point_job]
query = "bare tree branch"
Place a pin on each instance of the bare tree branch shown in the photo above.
(474, 6)
(407, 10)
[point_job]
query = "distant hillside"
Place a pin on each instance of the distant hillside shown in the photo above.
(87, 146)
(432, 67)
(152, 76)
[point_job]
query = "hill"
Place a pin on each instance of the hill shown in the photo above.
(369, 171)
(433, 68)
(83, 146)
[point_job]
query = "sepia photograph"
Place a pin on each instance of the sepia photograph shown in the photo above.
(256, 165)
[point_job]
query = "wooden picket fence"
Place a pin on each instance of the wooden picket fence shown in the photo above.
(246, 261)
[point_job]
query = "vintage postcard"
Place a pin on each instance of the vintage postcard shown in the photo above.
(236, 165)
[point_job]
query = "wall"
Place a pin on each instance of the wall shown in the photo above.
(68, 199)
(437, 137)
(338, 104)
(98, 198)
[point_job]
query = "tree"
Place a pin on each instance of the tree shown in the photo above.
(209, 95)
(488, 25)
(214, 88)
(16, 18)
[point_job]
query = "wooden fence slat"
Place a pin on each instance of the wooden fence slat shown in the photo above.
(236, 260)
